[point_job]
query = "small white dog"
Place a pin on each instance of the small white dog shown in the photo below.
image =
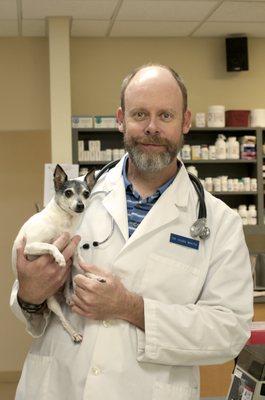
(63, 213)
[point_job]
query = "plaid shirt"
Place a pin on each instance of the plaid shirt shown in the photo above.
(137, 207)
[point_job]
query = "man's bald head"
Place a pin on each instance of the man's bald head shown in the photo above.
(151, 67)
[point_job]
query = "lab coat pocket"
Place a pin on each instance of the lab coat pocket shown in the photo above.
(35, 378)
(165, 391)
(169, 280)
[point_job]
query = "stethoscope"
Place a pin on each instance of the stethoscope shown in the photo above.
(197, 230)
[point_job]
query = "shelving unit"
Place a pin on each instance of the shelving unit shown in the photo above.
(112, 138)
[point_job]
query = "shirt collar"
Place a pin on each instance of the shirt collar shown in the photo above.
(128, 184)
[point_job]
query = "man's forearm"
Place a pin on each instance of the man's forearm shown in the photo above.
(133, 310)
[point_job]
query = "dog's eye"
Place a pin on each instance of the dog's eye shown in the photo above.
(86, 194)
(68, 193)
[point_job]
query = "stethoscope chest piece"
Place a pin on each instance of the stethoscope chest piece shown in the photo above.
(199, 229)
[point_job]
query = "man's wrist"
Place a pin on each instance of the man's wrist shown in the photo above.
(134, 310)
(30, 307)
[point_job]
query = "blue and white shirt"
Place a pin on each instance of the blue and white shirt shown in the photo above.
(137, 207)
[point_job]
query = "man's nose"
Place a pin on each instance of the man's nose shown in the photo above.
(152, 127)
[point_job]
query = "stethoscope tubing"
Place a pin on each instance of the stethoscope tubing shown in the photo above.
(203, 232)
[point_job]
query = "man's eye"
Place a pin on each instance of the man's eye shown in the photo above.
(68, 193)
(139, 115)
(166, 116)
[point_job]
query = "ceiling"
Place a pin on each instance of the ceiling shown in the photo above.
(136, 18)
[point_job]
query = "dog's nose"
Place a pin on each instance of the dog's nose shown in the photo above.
(80, 207)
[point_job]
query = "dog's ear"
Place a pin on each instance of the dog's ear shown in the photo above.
(59, 177)
(90, 179)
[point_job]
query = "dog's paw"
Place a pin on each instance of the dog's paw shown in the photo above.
(59, 258)
(95, 277)
(77, 338)
(69, 302)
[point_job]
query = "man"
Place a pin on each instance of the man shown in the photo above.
(165, 307)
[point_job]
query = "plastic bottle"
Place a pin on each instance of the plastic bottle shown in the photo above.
(232, 148)
(204, 152)
(252, 214)
(243, 212)
(209, 184)
(193, 170)
(186, 152)
(220, 147)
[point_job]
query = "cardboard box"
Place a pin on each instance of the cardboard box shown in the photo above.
(101, 121)
(237, 118)
(82, 121)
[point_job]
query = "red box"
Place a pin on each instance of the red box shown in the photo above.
(238, 118)
(257, 333)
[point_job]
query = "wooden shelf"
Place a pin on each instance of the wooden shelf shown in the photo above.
(227, 161)
(226, 193)
(254, 230)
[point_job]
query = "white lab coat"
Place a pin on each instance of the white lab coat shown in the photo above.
(198, 304)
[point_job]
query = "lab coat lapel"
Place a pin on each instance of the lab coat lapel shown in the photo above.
(115, 200)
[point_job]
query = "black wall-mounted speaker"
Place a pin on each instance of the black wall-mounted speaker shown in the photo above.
(237, 54)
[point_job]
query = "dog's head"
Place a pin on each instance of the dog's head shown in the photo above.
(72, 194)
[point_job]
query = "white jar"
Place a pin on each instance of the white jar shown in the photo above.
(224, 183)
(242, 211)
(257, 117)
(220, 147)
(217, 184)
(216, 117)
(212, 152)
(186, 152)
(196, 152)
(246, 181)
(252, 214)
(241, 187)
(204, 152)
(253, 185)
(235, 184)
(230, 185)
(252, 210)
(200, 120)
(232, 148)
(209, 184)
(193, 170)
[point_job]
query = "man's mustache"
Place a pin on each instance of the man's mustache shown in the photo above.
(156, 140)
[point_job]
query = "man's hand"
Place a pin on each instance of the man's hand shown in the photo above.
(106, 300)
(43, 277)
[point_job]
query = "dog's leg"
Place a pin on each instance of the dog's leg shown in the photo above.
(68, 290)
(54, 306)
(81, 261)
(38, 248)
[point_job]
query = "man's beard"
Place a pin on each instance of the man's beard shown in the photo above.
(146, 161)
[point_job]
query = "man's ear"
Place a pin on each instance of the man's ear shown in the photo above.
(186, 122)
(59, 177)
(120, 119)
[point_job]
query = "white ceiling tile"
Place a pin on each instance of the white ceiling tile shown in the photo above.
(229, 28)
(8, 27)
(152, 28)
(239, 11)
(83, 27)
(92, 9)
(33, 27)
(145, 10)
(8, 9)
